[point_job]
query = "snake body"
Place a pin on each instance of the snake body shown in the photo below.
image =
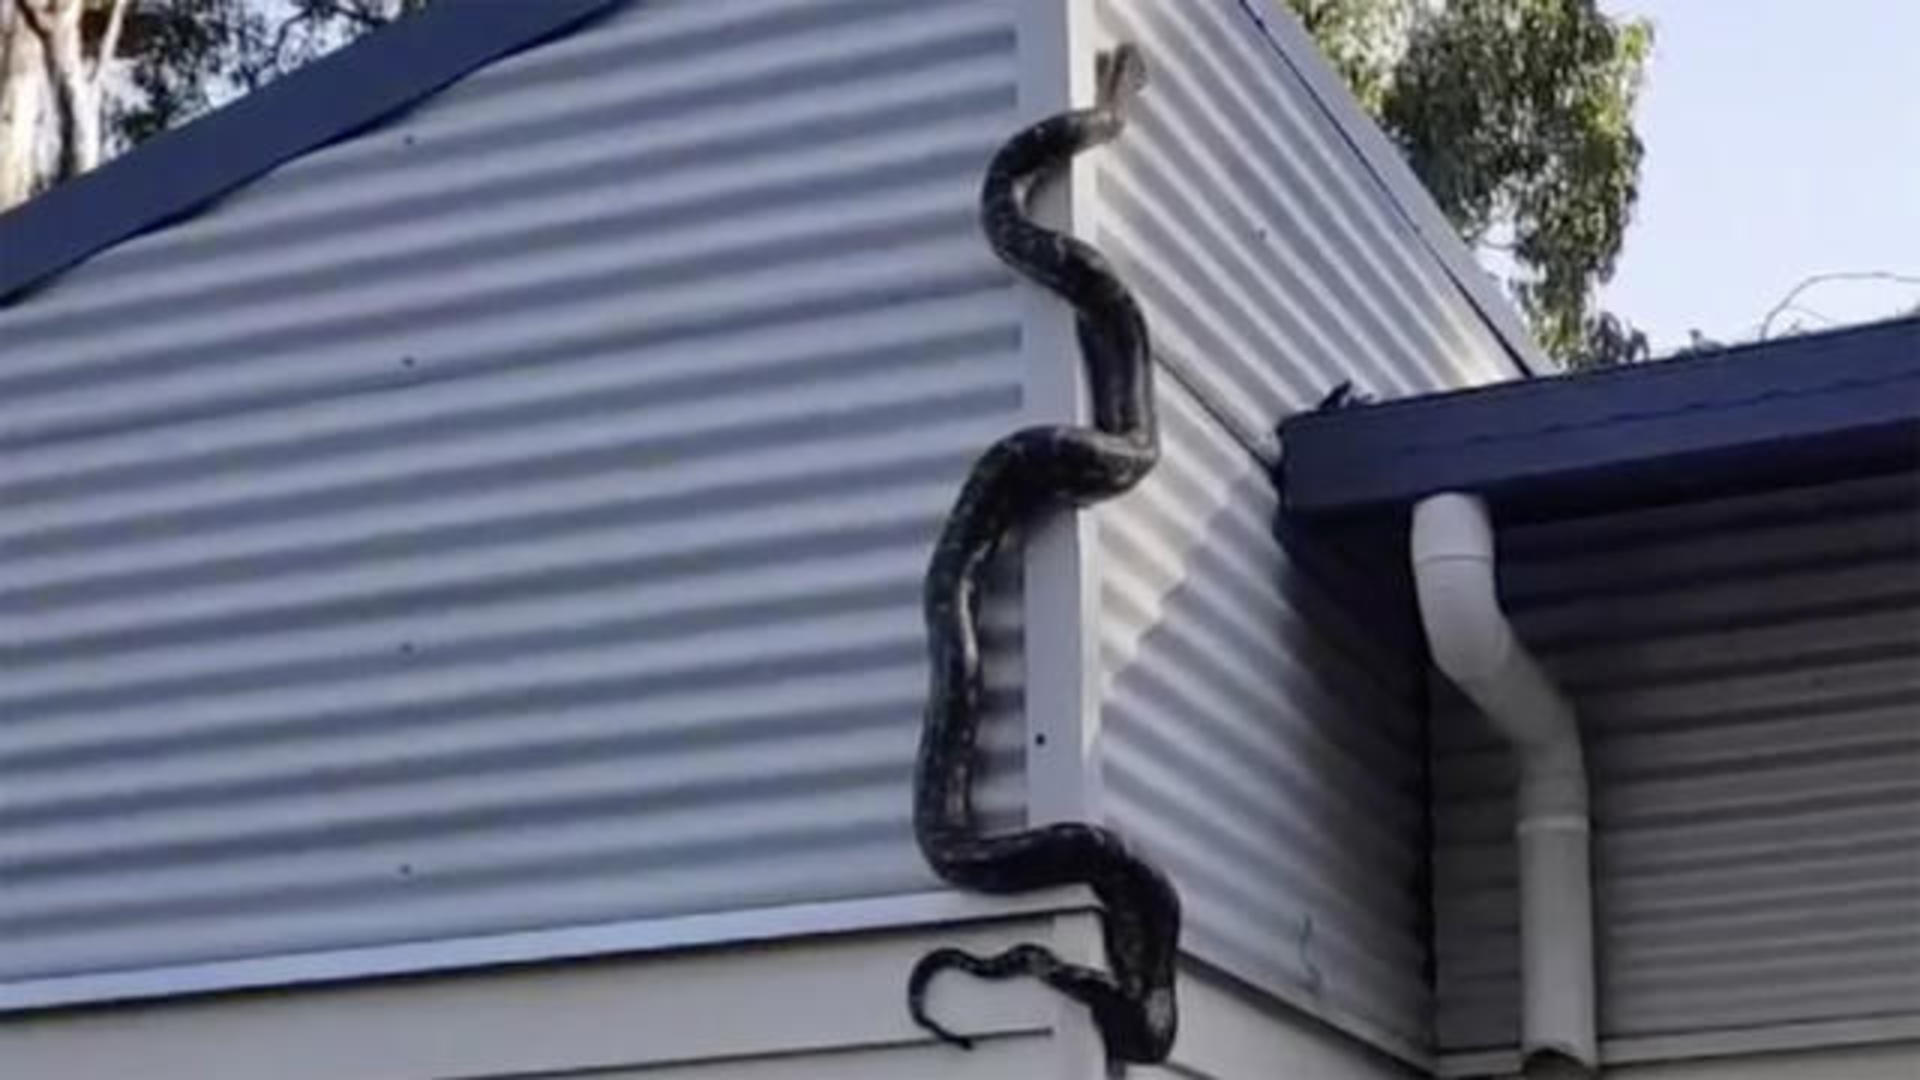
(1020, 478)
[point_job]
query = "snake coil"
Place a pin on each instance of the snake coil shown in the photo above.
(1018, 479)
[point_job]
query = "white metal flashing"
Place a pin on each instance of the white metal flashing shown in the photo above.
(646, 935)
(1061, 594)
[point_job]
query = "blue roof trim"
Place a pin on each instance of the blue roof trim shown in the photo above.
(1768, 413)
(181, 171)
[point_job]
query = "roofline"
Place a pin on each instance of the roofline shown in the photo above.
(1766, 413)
(177, 173)
(1389, 169)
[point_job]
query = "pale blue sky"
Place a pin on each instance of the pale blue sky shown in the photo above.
(1783, 139)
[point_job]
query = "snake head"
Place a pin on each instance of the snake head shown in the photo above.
(1119, 73)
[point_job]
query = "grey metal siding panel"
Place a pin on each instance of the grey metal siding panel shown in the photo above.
(1272, 264)
(1748, 676)
(512, 517)
(1263, 743)
(1261, 736)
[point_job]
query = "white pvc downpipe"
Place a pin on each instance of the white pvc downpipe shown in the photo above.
(1474, 645)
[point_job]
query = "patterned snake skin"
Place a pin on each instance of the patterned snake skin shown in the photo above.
(1019, 479)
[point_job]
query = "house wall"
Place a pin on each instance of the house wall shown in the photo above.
(1230, 1032)
(504, 528)
(827, 1007)
(1263, 740)
(1747, 673)
(510, 518)
(1261, 729)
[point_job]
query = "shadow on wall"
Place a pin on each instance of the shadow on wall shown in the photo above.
(1265, 739)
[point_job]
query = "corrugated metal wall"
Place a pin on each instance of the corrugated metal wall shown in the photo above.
(1263, 742)
(1748, 676)
(1273, 264)
(511, 517)
(1262, 738)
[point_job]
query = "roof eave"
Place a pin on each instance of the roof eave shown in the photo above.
(1766, 414)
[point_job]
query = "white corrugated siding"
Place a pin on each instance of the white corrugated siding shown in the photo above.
(825, 1008)
(1748, 677)
(1261, 739)
(1261, 742)
(1272, 263)
(511, 517)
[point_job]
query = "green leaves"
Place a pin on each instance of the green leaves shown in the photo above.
(187, 56)
(1518, 116)
(1362, 38)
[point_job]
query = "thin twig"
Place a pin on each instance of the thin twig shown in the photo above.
(1802, 309)
(1787, 301)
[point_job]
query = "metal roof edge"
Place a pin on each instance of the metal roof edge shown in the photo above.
(1404, 190)
(178, 173)
(1763, 411)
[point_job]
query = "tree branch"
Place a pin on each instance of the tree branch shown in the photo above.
(1802, 309)
(36, 21)
(57, 26)
(1787, 302)
(109, 39)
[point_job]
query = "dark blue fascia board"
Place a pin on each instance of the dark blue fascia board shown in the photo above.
(1794, 410)
(175, 174)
